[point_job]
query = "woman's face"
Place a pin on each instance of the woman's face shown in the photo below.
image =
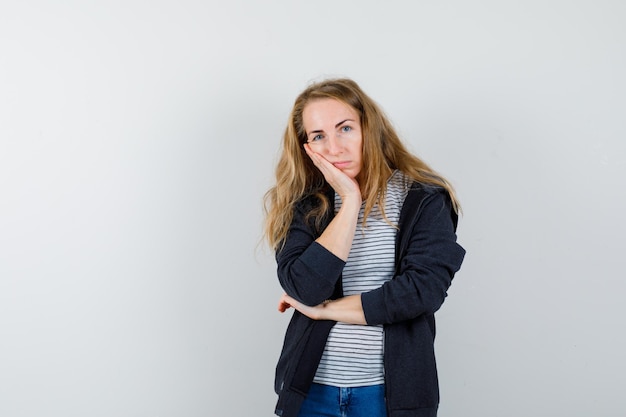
(333, 130)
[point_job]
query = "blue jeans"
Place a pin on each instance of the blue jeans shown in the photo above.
(328, 401)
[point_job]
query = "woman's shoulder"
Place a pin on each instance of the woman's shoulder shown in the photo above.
(421, 194)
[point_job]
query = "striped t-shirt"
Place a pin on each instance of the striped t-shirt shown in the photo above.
(353, 355)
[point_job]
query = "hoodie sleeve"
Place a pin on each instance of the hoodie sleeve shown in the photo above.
(425, 269)
(306, 270)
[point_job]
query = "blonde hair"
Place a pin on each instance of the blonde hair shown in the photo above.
(383, 152)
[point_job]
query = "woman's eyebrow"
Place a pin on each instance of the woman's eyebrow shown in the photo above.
(342, 122)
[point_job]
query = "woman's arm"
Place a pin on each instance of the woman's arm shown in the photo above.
(425, 274)
(426, 270)
(347, 309)
(309, 265)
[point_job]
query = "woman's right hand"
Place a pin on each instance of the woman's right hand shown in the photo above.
(343, 185)
(338, 235)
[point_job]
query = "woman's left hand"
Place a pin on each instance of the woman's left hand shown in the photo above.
(286, 302)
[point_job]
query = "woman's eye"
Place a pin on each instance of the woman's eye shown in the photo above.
(346, 128)
(315, 138)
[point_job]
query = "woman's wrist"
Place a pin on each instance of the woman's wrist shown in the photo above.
(351, 203)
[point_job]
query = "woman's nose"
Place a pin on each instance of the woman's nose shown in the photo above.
(332, 145)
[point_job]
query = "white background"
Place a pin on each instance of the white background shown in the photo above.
(137, 139)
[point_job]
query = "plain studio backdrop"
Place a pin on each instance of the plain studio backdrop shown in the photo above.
(137, 139)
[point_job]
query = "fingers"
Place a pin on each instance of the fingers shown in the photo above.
(318, 160)
(283, 303)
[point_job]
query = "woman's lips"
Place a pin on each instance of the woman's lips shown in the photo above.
(341, 164)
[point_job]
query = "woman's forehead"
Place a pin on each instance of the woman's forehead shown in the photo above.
(328, 111)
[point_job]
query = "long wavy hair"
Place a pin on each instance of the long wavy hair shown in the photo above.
(298, 178)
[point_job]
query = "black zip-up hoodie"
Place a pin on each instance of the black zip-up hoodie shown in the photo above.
(427, 257)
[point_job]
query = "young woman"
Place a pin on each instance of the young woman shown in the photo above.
(364, 235)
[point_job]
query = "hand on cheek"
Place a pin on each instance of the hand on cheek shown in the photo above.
(339, 180)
